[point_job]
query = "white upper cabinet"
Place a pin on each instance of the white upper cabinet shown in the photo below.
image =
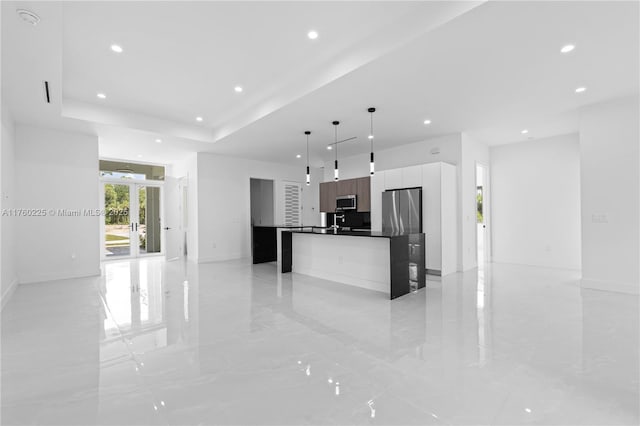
(393, 179)
(411, 176)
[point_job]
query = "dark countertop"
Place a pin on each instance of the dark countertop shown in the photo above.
(364, 233)
(281, 226)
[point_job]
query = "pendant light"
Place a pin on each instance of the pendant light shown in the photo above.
(335, 170)
(372, 165)
(308, 175)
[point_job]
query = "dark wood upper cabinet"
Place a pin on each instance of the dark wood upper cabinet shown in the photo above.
(328, 197)
(360, 187)
(364, 194)
(347, 187)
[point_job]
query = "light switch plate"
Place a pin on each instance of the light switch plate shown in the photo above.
(599, 218)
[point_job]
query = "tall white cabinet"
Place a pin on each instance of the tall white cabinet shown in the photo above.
(439, 208)
(439, 217)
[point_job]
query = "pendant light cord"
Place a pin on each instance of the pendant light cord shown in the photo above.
(336, 139)
(307, 150)
(371, 131)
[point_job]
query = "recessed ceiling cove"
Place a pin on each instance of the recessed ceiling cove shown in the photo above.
(489, 69)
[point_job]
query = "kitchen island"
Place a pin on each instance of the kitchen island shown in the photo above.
(265, 240)
(389, 263)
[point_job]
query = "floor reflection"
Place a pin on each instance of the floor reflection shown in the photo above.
(179, 343)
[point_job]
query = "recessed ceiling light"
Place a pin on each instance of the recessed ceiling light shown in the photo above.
(580, 89)
(329, 147)
(298, 155)
(101, 96)
(238, 89)
(158, 140)
(139, 155)
(567, 48)
(116, 48)
(427, 121)
(370, 136)
(198, 118)
(28, 16)
(312, 35)
(524, 132)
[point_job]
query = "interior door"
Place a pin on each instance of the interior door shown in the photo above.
(173, 213)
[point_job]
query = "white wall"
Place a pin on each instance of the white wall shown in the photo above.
(536, 202)
(187, 169)
(311, 198)
(400, 156)
(224, 214)
(609, 138)
(56, 170)
(8, 275)
(472, 152)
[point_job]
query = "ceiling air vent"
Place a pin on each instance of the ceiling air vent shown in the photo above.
(28, 16)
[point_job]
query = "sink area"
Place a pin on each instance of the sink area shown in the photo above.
(329, 230)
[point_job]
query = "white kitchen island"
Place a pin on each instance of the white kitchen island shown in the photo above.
(372, 260)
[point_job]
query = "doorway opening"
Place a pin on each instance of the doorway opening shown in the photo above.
(262, 205)
(481, 216)
(132, 197)
(132, 222)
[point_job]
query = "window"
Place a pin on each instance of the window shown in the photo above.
(129, 171)
(292, 204)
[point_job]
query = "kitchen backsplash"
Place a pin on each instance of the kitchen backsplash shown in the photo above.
(352, 219)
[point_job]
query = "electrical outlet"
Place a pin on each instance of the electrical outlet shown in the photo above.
(599, 218)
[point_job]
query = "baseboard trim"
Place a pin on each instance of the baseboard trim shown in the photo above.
(566, 268)
(60, 277)
(8, 293)
(209, 259)
(615, 287)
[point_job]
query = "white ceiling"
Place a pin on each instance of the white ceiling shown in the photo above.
(489, 69)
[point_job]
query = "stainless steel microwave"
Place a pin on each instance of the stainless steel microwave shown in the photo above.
(346, 202)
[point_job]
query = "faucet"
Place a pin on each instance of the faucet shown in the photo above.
(335, 221)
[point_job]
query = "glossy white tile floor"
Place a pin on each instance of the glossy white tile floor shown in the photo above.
(231, 343)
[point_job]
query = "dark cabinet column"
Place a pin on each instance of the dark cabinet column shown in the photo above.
(364, 194)
(328, 197)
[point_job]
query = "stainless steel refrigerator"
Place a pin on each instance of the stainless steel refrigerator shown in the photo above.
(402, 211)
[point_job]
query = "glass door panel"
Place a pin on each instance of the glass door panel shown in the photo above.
(117, 220)
(149, 229)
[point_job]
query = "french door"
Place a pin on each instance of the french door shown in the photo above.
(132, 225)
